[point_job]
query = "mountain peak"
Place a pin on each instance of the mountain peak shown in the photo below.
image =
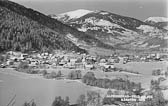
(157, 19)
(76, 14)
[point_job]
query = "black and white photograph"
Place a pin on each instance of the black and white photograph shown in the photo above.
(83, 52)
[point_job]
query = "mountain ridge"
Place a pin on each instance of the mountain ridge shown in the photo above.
(22, 34)
(115, 30)
(52, 24)
(97, 29)
(74, 14)
(157, 19)
(161, 22)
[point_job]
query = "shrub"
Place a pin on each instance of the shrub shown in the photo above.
(75, 75)
(51, 75)
(43, 72)
(156, 72)
(32, 103)
(23, 65)
(119, 84)
(81, 101)
(60, 102)
(59, 74)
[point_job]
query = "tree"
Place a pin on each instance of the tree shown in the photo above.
(60, 102)
(53, 74)
(157, 100)
(79, 74)
(154, 85)
(43, 72)
(156, 72)
(71, 75)
(75, 75)
(26, 104)
(59, 74)
(119, 84)
(21, 32)
(57, 101)
(109, 92)
(108, 101)
(1, 58)
(166, 73)
(31, 103)
(94, 98)
(23, 65)
(88, 78)
(66, 103)
(82, 100)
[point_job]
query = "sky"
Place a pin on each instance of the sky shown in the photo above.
(140, 9)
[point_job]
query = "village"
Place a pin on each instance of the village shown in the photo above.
(74, 60)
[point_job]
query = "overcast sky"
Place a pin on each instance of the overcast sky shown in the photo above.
(140, 9)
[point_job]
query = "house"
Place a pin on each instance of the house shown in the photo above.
(79, 65)
(9, 62)
(102, 60)
(33, 63)
(111, 60)
(101, 64)
(109, 65)
(73, 60)
(89, 66)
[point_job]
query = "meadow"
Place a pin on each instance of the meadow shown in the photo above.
(43, 91)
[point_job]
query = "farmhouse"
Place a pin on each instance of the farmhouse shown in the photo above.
(109, 65)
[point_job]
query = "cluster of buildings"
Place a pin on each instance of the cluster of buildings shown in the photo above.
(74, 60)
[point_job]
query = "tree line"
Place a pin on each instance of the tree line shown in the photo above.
(119, 84)
(20, 33)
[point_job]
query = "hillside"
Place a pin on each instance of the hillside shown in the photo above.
(64, 30)
(121, 32)
(161, 22)
(23, 34)
(72, 15)
(24, 29)
(156, 19)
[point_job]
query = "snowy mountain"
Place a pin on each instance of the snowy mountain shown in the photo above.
(72, 15)
(160, 22)
(119, 31)
(156, 19)
(36, 31)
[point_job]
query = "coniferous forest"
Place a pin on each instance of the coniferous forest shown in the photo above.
(19, 33)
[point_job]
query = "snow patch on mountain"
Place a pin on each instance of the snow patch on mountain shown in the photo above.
(154, 46)
(104, 13)
(104, 26)
(157, 19)
(166, 37)
(72, 38)
(75, 14)
(102, 22)
(115, 29)
(166, 27)
(146, 28)
(82, 29)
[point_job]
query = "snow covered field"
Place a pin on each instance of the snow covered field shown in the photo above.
(43, 91)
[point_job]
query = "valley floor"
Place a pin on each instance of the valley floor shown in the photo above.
(43, 91)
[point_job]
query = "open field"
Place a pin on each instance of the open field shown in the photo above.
(27, 86)
(43, 91)
(144, 68)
